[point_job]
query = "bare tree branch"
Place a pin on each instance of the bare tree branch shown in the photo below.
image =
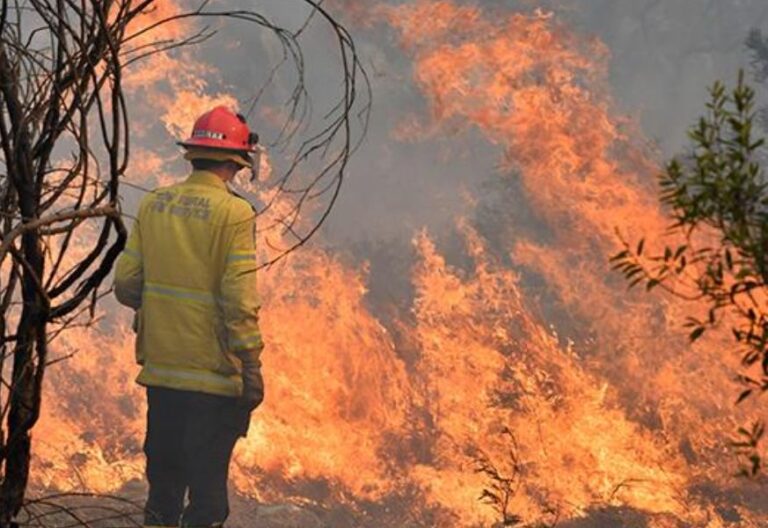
(61, 88)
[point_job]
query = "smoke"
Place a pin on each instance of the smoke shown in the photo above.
(666, 54)
(509, 181)
(662, 59)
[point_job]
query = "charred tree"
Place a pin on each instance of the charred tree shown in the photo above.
(64, 148)
(60, 85)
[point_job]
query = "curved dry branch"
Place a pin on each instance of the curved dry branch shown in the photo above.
(85, 510)
(309, 198)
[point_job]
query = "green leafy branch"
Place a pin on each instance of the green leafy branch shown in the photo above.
(717, 199)
(718, 202)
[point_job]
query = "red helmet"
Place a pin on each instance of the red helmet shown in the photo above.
(221, 128)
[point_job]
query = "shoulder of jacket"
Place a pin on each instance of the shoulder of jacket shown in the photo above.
(159, 192)
(240, 204)
(154, 194)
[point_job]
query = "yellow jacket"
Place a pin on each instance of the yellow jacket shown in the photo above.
(189, 269)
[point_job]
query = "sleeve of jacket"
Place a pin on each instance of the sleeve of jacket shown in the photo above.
(129, 271)
(239, 296)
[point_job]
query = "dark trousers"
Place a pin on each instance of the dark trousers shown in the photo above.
(189, 443)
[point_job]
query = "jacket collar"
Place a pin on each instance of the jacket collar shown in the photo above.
(200, 177)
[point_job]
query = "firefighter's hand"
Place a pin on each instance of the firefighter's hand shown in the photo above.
(253, 390)
(253, 383)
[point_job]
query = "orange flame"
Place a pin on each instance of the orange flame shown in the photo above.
(371, 409)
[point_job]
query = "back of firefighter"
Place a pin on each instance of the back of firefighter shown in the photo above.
(189, 271)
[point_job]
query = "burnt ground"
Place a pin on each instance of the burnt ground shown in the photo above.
(100, 512)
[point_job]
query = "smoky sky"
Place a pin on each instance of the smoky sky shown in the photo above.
(664, 55)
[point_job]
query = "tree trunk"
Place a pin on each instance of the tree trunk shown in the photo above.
(29, 359)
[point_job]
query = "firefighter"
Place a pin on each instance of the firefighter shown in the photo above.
(189, 272)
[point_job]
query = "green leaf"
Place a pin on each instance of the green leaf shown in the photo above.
(758, 430)
(620, 256)
(743, 396)
(743, 432)
(696, 334)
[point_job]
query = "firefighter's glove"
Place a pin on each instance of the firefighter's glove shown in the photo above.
(253, 386)
(135, 324)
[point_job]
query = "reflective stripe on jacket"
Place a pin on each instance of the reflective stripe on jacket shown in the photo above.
(189, 269)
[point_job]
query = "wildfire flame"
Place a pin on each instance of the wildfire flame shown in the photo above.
(361, 410)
